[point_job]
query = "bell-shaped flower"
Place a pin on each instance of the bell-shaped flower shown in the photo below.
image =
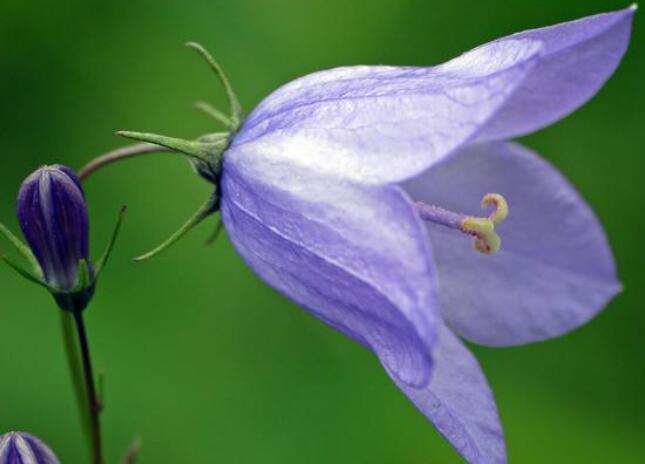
(23, 448)
(353, 191)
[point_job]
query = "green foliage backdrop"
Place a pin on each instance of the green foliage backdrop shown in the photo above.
(204, 361)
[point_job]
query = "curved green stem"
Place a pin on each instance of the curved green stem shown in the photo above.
(117, 155)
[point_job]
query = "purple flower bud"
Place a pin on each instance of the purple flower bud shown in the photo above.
(23, 448)
(54, 220)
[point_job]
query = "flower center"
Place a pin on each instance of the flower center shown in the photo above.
(482, 229)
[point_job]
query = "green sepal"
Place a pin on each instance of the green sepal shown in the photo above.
(213, 112)
(217, 230)
(237, 115)
(77, 299)
(198, 150)
(21, 247)
(205, 210)
(85, 279)
(217, 140)
(25, 273)
(74, 302)
(100, 265)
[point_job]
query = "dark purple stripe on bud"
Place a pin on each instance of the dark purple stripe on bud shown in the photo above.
(54, 220)
(23, 448)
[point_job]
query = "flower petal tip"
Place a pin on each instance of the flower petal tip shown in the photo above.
(21, 447)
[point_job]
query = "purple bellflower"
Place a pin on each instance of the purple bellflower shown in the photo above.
(53, 217)
(23, 448)
(351, 192)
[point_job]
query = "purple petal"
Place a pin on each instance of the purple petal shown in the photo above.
(577, 58)
(555, 269)
(459, 403)
(23, 448)
(53, 217)
(377, 124)
(356, 257)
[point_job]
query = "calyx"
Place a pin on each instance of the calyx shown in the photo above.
(205, 153)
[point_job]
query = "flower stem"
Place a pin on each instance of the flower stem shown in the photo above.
(92, 399)
(74, 363)
(116, 155)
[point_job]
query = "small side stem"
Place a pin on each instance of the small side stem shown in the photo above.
(116, 155)
(132, 453)
(93, 403)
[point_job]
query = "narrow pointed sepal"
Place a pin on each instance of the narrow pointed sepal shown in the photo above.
(216, 233)
(208, 208)
(213, 112)
(85, 278)
(75, 300)
(237, 115)
(100, 265)
(21, 248)
(205, 153)
(189, 148)
(31, 277)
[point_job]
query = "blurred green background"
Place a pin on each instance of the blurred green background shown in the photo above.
(203, 360)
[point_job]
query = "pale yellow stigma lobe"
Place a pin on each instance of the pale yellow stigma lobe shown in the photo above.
(485, 238)
(500, 213)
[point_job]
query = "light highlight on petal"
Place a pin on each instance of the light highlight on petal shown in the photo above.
(380, 124)
(376, 124)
